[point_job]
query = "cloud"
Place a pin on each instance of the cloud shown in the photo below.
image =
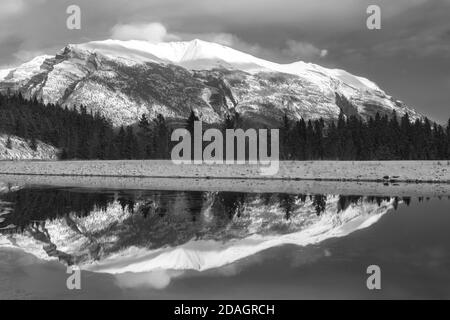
(226, 39)
(11, 7)
(292, 51)
(323, 53)
(26, 55)
(414, 34)
(433, 42)
(246, 25)
(158, 279)
(153, 32)
(157, 32)
(303, 50)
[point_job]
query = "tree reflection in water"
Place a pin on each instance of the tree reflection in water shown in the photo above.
(155, 219)
(31, 205)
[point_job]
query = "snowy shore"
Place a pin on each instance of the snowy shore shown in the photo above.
(394, 178)
(369, 171)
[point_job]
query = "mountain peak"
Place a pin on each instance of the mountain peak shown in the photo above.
(203, 55)
(124, 79)
(178, 52)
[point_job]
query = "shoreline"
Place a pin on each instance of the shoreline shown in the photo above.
(342, 171)
(410, 178)
(233, 185)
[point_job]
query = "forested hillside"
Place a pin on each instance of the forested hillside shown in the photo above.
(82, 135)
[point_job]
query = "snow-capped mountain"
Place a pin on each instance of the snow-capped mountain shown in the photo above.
(124, 79)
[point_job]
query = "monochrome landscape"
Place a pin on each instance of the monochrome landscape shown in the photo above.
(189, 167)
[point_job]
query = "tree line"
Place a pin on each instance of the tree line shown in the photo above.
(29, 205)
(80, 134)
(380, 138)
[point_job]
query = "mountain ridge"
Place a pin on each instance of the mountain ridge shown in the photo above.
(124, 79)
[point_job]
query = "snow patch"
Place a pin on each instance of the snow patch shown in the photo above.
(20, 149)
(198, 54)
(4, 73)
(26, 70)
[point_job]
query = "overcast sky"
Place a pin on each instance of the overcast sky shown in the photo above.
(409, 57)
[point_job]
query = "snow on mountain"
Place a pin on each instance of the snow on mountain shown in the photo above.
(25, 71)
(124, 79)
(4, 73)
(19, 149)
(180, 53)
(201, 55)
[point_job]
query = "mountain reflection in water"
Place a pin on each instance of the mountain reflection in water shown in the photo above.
(140, 231)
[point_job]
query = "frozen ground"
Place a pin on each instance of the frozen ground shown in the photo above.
(379, 171)
(395, 178)
(401, 189)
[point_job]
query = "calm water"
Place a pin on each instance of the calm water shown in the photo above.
(206, 245)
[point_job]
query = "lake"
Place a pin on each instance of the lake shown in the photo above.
(162, 244)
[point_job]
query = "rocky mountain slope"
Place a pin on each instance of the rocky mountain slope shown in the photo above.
(19, 149)
(124, 79)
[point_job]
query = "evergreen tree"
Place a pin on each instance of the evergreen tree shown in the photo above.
(80, 134)
(120, 142)
(405, 146)
(64, 155)
(320, 203)
(8, 142)
(190, 122)
(33, 143)
(229, 122)
(318, 149)
(146, 139)
(330, 142)
(286, 151)
(190, 127)
(299, 136)
(162, 137)
(448, 139)
(131, 144)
